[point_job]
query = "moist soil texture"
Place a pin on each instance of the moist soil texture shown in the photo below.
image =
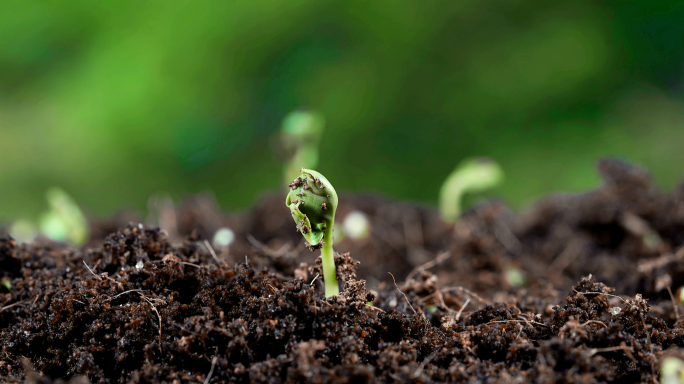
(576, 289)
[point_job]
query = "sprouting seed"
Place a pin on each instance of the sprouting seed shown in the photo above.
(471, 175)
(356, 225)
(314, 214)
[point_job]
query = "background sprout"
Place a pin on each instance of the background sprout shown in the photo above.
(312, 201)
(7, 284)
(223, 238)
(471, 175)
(515, 277)
(23, 230)
(356, 225)
(64, 221)
(672, 371)
(301, 135)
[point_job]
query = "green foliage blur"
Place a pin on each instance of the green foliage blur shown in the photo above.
(118, 101)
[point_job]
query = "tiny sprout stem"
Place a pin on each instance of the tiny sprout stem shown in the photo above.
(471, 175)
(450, 202)
(332, 286)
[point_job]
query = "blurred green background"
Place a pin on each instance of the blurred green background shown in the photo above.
(118, 101)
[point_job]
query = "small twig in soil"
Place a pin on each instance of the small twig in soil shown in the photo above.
(600, 293)
(594, 321)
(265, 250)
(11, 305)
(451, 321)
(423, 364)
(518, 321)
(428, 297)
(191, 264)
(100, 277)
(211, 250)
(407, 300)
(506, 237)
(265, 283)
(627, 350)
(211, 371)
(183, 329)
(375, 308)
(438, 260)
(149, 301)
(160, 324)
(674, 303)
(458, 315)
(648, 337)
(314, 279)
(467, 291)
(658, 262)
(440, 296)
(130, 290)
(441, 301)
(91, 271)
(566, 257)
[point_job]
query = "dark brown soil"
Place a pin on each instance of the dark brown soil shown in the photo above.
(143, 305)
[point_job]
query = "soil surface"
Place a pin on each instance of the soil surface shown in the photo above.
(574, 290)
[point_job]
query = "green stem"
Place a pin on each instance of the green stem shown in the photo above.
(332, 287)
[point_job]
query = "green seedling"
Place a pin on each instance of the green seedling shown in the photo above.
(515, 277)
(301, 135)
(23, 230)
(312, 201)
(223, 238)
(356, 225)
(7, 284)
(652, 240)
(64, 221)
(672, 371)
(471, 175)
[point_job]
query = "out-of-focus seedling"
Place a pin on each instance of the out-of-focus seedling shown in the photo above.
(64, 221)
(652, 240)
(672, 371)
(356, 225)
(223, 238)
(23, 230)
(301, 135)
(471, 175)
(7, 284)
(312, 201)
(515, 277)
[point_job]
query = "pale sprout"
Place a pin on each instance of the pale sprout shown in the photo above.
(515, 277)
(23, 230)
(356, 225)
(223, 238)
(672, 371)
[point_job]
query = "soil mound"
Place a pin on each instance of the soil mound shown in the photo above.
(575, 290)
